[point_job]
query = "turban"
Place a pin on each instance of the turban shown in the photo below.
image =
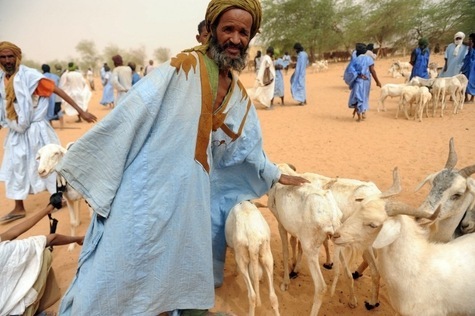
(9, 90)
(423, 42)
(72, 67)
(458, 45)
(217, 7)
(459, 34)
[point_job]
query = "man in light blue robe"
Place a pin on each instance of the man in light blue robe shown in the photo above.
(297, 80)
(363, 67)
(162, 171)
(454, 56)
(279, 65)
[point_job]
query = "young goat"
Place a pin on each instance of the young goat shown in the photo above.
(48, 157)
(248, 234)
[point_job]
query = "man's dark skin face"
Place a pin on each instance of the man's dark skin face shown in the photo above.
(8, 61)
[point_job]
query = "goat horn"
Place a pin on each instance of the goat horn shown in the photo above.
(291, 166)
(396, 187)
(467, 171)
(452, 159)
(396, 208)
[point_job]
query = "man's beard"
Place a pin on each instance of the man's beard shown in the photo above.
(218, 54)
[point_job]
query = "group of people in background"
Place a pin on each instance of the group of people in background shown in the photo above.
(269, 82)
(459, 58)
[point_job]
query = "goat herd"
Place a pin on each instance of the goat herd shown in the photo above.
(419, 91)
(419, 253)
(425, 256)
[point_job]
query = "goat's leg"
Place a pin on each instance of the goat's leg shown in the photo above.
(368, 255)
(242, 261)
(268, 264)
(328, 262)
(298, 262)
(285, 257)
(73, 218)
(353, 302)
(317, 277)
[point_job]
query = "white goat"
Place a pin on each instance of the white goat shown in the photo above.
(248, 233)
(389, 90)
(424, 98)
(399, 68)
(348, 194)
(433, 70)
(443, 87)
(409, 95)
(319, 65)
(311, 215)
(48, 157)
(421, 82)
(463, 87)
(453, 191)
(424, 278)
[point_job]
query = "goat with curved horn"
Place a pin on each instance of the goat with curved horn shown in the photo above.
(452, 159)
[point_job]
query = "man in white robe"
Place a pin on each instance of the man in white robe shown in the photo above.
(24, 96)
(121, 78)
(74, 84)
(162, 171)
(264, 91)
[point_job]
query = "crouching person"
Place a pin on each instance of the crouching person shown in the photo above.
(27, 281)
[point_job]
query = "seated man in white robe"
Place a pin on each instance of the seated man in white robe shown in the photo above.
(28, 284)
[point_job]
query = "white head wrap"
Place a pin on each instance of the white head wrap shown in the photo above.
(458, 43)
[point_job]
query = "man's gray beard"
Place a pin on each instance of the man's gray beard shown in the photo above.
(224, 62)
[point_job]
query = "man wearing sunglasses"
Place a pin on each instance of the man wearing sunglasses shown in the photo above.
(454, 56)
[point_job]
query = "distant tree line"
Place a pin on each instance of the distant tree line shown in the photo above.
(331, 25)
(90, 57)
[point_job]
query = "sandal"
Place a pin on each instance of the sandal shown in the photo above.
(11, 217)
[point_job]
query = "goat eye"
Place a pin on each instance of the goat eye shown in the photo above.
(373, 225)
(456, 196)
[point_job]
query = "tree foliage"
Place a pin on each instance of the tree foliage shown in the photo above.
(162, 54)
(329, 25)
(89, 55)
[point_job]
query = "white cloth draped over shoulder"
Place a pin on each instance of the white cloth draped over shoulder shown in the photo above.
(153, 170)
(74, 84)
(264, 93)
(25, 137)
(20, 264)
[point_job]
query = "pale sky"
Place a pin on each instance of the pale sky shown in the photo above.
(51, 29)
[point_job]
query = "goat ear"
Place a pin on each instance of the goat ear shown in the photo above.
(388, 234)
(429, 179)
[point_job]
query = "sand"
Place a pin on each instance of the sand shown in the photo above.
(320, 137)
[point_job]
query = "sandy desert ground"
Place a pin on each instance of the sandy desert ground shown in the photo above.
(320, 137)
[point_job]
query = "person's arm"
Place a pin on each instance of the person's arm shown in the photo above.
(413, 58)
(22, 227)
(89, 117)
(373, 73)
(58, 240)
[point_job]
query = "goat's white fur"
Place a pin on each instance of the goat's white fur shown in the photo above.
(422, 278)
(311, 215)
(249, 235)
